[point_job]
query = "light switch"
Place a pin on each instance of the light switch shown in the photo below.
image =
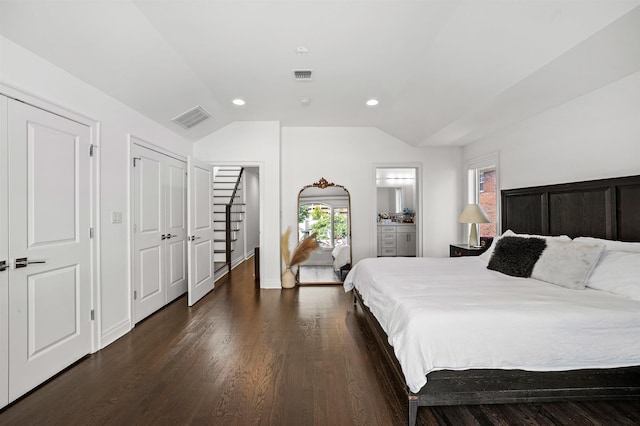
(116, 217)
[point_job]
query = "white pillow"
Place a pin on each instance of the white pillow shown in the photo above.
(617, 272)
(611, 244)
(567, 263)
(509, 233)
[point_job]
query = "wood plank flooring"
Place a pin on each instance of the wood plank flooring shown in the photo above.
(244, 356)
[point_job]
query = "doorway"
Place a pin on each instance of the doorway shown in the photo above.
(240, 182)
(397, 211)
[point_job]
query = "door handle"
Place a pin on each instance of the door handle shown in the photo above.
(22, 262)
(171, 236)
(3, 265)
(163, 237)
(193, 238)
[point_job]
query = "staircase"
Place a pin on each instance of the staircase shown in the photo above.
(228, 214)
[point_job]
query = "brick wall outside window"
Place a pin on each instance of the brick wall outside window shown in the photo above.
(488, 204)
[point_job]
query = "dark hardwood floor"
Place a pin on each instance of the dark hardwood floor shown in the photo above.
(244, 356)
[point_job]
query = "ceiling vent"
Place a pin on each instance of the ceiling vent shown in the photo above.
(192, 117)
(303, 75)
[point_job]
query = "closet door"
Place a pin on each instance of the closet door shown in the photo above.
(149, 291)
(176, 228)
(200, 251)
(160, 230)
(49, 211)
(4, 259)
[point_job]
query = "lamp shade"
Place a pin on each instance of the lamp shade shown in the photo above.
(473, 213)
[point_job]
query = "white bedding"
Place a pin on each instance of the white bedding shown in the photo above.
(341, 256)
(454, 314)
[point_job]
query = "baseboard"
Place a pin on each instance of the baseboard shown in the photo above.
(114, 333)
(270, 284)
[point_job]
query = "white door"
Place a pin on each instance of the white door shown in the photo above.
(160, 230)
(176, 228)
(148, 239)
(49, 212)
(200, 250)
(4, 259)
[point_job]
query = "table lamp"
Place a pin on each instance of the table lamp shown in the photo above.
(473, 214)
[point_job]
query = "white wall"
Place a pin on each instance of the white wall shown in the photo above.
(254, 144)
(29, 73)
(347, 156)
(591, 137)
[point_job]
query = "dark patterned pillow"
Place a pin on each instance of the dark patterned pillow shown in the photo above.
(516, 256)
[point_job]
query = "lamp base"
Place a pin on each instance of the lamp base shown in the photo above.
(473, 236)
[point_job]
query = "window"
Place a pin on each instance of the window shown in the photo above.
(329, 224)
(483, 189)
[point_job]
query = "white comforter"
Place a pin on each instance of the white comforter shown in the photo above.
(341, 256)
(454, 314)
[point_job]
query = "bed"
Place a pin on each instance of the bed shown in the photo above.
(341, 256)
(471, 339)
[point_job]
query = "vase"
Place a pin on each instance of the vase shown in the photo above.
(288, 279)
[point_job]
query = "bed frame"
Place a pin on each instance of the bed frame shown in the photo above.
(605, 208)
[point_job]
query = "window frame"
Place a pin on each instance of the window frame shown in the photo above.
(472, 169)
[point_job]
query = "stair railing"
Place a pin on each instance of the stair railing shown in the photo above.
(228, 212)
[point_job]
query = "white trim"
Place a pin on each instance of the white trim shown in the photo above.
(149, 145)
(94, 202)
(115, 332)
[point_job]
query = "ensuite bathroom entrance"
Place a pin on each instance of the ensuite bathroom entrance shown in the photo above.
(397, 204)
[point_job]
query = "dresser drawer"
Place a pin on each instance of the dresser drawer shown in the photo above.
(388, 243)
(388, 237)
(387, 229)
(388, 251)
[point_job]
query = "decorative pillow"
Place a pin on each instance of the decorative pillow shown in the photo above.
(567, 264)
(486, 256)
(617, 272)
(516, 256)
(611, 244)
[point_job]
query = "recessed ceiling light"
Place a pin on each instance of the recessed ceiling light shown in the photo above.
(238, 102)
(372, 102)
(305, 101)
(302, 51)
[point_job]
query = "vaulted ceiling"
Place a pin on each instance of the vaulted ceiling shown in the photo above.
(444, 72)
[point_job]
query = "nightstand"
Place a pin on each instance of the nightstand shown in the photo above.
(459, 250)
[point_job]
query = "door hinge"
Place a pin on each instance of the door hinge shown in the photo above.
(91, 232)
(93, 315)
(135, 295)
(91, 149)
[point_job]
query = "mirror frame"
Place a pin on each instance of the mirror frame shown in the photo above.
(324, 184)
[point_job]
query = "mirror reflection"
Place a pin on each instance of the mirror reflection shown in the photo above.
(324, 210)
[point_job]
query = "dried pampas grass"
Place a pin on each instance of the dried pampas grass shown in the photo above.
(284, 247)
(302, 251)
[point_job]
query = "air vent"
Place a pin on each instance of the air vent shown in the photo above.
(303, 75)
(192, 117)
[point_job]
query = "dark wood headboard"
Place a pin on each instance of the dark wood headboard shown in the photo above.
(604, 208)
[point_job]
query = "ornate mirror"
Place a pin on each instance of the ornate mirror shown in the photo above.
(324, 209)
